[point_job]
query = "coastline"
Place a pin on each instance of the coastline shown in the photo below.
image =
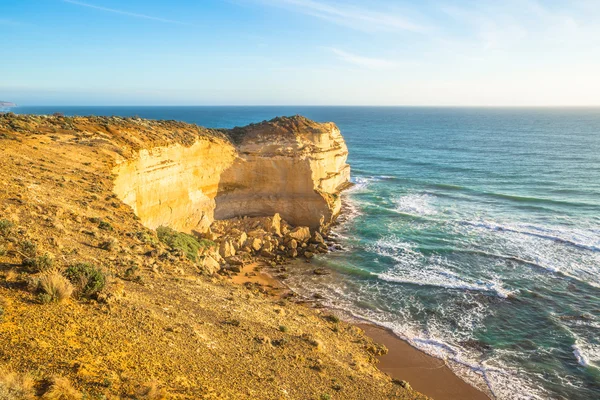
(426, 374)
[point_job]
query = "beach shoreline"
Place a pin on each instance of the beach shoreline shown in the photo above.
(426, 374)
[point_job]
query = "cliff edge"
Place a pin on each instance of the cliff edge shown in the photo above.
(291, 166)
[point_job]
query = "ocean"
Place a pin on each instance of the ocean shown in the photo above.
(472, 233)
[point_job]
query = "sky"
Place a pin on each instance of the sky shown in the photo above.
(300, 52)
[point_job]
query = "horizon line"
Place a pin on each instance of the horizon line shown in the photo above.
(317, 105)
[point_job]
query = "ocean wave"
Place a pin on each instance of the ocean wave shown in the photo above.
(583, 352)
(420, 204)
(361, 183)
(443, 279)
(415, 268)
(433, 336)
(535, 231)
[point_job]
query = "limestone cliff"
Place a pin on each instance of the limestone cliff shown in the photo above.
(292, 166)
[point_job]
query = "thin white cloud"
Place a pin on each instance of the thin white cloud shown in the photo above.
(352, 16)
(126, 13)
(361, 61)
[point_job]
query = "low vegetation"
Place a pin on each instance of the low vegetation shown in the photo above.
(61, 389)
(5, 227)
(152, 391)
(15, 386)
(188, 244)
(39, 264)
(52, 286)
(88, 279)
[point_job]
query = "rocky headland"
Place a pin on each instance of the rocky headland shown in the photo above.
(119, 238)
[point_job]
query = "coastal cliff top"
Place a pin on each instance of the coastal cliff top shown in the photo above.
(279, 127)
(135, 133)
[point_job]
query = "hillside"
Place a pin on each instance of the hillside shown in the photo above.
(93, 302)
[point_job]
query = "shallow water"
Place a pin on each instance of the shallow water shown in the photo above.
(472, 233)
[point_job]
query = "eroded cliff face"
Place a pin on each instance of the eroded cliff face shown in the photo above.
(291, 166)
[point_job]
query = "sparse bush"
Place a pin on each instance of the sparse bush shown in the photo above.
(61, 389)
(152, 391)
(145, 237)
(29, 248)
(53, 287)
(109, 245)
(15, 386)
(283, 328)
(88, 279)
(2, 250)
(182, 241)
(5, 227)
(39, 264)
(105, 226)
(332, 318)
(279, 342)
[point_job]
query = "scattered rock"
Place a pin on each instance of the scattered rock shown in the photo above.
(321, 271)
(210, 264)
(377, 349)
(300, 233)
(317, 238)
(401, 383)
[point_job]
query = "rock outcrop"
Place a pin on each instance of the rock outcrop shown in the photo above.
(291, 166)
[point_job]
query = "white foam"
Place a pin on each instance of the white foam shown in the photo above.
(581, 358)
(442, 279)
(586, 354)
(414, 268)
(539, 251)
(571, 237)
(419, 204)
(432, 336)
(361, 183)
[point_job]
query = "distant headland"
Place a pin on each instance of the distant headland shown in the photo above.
(7, 104)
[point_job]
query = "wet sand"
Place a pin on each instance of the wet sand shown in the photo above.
(426, 374)
(252, 273)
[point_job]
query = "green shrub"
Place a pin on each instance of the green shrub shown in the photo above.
(88, 279)
(332, 318)
(5, 227)
(105, 226)
(145, 237)
(29, 248)
(39, 264)
(182, 241)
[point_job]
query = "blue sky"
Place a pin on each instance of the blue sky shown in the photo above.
(297, 52)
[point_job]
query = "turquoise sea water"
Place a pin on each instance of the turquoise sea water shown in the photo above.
(472, 233)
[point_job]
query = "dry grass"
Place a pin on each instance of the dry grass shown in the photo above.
(152, 391)
(11, 275)
(54, 287)
(61, 389)
(15, 386)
